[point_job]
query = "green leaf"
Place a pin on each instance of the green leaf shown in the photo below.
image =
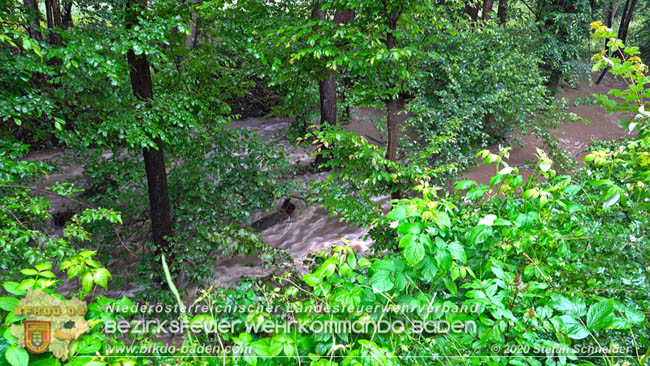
(601, 182)
(49, 361)
(443, 220)
(475, 194)
(13, 318)
(29, 272)
(8, 303)
(381, 281)
(410, 228)
(575, 330)
(327, 268)
(634, 316)
(87, 283)
(47, 274)
(526, 220)
(464, 184)
(414, 251)
(14, 288)
(101, 277)
(27, 284)
(600, 315)
(458, 251)
(43, 267)
(428, 268)
(479, 234)
(88, 345)
(575, 308)
(443, 258)
(311, 279)
(17, 356)
(611, 196)
(450, 285)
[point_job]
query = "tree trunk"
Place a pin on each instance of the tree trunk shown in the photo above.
(54, 20)
(626, 18)
(502, 11)
(327, 91)
(67, 21)
(609, 19)
(487, 9)
(625, 10)
(391, 103)
(190, 40)
(342, 18)
(625, 21)
(326, 85)
(472, 10)
(154, 159)
(34, 19)
(393, 128)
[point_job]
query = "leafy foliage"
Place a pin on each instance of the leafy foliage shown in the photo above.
(533, 269)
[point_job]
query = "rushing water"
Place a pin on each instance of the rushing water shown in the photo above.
(310, 228)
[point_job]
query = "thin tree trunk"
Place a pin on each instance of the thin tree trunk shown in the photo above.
(326, 85)
(327, 90)
(472, 10)
(609, 19)
(391, 103)
(487, 9)
(154, 159)
(625, 10)
(67, 21)
(54, 20)
(502, 11)
(190, 41)
(393, 128)
(342, 18)
(625, 21)
(34, 20)
(626, 18)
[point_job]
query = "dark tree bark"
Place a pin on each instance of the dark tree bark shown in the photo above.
(327, 91)
(67, 21)
(34, 19)
(54, 21)
(391, 104)
(472, 9)
(326, 85)
(190, 40)
(392, 111)
(154, 159)
(342, 18)
(609, 19)
(502, 11)
(626, 19)
(625, 10)
(487, 9)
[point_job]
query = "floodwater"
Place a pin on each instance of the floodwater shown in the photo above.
(310, 229)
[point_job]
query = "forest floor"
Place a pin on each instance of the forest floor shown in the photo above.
(309, 228)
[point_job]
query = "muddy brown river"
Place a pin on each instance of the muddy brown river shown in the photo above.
(310, 229)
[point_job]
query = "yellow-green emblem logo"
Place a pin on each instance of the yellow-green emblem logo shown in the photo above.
(51, 323)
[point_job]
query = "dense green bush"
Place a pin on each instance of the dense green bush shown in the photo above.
(475, 100)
